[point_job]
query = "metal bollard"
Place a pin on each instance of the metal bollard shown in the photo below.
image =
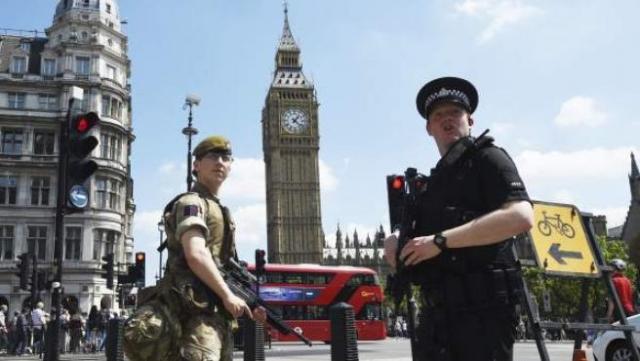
(344, 343)
(115, 349)
(253, 340)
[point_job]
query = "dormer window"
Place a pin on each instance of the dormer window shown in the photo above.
(108, 8)
(18, 65)
(25, 46)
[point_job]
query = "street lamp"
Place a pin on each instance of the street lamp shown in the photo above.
(190, 131)
(160, 249)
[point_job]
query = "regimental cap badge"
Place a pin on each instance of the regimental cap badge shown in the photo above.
(447, 89)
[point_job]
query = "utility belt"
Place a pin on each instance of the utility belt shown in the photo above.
(474, 291)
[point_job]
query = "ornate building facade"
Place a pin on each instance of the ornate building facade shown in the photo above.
(356, 252)
(83, 47)
(290, 138)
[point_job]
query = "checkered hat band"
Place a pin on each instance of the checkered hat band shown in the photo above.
(447, 93)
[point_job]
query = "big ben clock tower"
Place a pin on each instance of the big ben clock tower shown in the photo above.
(290, 141)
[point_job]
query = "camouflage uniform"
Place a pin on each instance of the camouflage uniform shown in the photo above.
(185, 323)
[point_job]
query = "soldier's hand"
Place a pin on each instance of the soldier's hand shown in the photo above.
(419, 249)
(390, 248)
(237, 307)
(260, 315)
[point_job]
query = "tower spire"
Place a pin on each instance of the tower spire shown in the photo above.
(634, 167)
(287, 42)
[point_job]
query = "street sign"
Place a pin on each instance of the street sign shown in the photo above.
(560, 241)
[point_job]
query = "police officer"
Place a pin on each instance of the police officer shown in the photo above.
(200, 237)
(460, 244)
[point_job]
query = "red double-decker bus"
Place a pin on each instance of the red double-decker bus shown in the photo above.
(302, 295)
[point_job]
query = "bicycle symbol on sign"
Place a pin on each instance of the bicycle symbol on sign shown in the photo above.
(545, 226)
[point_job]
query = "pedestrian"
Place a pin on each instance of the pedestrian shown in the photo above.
(624, 289)
(38, 326)
(4, 330)
(103, 324)
(93, 322)
(460, 243)
(75, 332)
(405, 334)
(21, 332)
(199, 238)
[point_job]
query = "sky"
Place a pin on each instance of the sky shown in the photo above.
(558, 84)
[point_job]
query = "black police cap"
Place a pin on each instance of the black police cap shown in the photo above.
(449, 90)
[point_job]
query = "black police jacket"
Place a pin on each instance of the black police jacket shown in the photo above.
(477, 182)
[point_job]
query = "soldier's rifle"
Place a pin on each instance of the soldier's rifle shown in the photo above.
(242, 284)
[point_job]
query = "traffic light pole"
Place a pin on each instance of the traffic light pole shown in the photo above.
(53, 352)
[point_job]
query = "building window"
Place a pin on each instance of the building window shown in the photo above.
(104, 242)
(111, 107)
(25, 46)
(107, 193)
(6, 243)
(18, 65)
(49, 67)
(85, 3)
(37, 241)
(110, 146)
(43, 141)
(72, 243)
(48, 102)
(108, 8)
(40, 187)
(12, 141)
(83, 66)
(111, 71)
(17, 100)
(8, 189)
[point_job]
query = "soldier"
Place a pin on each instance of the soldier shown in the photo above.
(460, 244)
(199, 237)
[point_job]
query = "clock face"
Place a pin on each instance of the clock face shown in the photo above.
(295, 120)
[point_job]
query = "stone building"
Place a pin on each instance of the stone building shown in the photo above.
(84, 47)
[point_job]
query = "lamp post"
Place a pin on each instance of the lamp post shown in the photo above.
(160, 249)
(190, 131)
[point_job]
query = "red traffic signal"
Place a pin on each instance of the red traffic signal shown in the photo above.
(139, 270)
(398, 182)
(84, 122)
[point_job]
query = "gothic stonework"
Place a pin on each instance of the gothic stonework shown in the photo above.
(291, 144)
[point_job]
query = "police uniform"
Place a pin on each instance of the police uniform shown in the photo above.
(469, 294)
(187, 311)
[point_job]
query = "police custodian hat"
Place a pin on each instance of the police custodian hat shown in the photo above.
(215, 143)
(449, 90)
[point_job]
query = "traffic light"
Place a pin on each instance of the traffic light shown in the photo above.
(395, 193)
(260, 262)
(79, 168)
(107, 266)
(24, 265)
(139, 274)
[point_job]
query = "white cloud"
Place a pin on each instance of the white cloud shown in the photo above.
(563, 196)
(246, 180)
(499, 14)
(579, 111)
(555, 166)
(251, 229)
(501, 128)
(328, 181)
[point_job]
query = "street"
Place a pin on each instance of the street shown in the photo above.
(387, 350)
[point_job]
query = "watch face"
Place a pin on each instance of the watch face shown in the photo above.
(294, 120)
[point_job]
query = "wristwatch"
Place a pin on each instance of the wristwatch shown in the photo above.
(440, 241)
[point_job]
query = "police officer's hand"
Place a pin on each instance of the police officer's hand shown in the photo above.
(236, 306)
(390, 248)
(260, 314)
(419, 249)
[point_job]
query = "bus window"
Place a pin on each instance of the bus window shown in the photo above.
(355, 280)
(274, 277)
(318, 278)
(293, 278)
(315, 312)
(292, 312)
(370, 311)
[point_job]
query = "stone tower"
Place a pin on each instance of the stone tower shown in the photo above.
(290, 136)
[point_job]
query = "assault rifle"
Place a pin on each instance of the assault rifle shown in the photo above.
(402, 192)
(242, 284)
